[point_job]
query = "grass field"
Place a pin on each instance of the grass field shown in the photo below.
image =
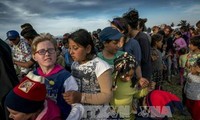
(176, 89)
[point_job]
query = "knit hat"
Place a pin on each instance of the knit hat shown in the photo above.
(28, 96)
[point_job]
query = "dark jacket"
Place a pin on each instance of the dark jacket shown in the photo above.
(8, 77)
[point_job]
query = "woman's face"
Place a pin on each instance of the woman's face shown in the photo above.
(15, 115)
(78, 52)
(45, 54)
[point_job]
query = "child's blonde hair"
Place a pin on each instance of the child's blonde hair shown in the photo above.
(42, 37)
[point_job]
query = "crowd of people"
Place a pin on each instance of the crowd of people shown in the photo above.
(112, 73)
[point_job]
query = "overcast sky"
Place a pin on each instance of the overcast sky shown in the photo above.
(60, 16)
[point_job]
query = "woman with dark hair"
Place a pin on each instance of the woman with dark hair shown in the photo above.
(92, 74)
(156, 60)
(132, 18)
(131, 46)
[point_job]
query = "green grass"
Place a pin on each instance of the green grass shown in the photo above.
(176, 89)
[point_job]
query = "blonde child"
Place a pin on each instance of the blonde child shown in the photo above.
(58, 80)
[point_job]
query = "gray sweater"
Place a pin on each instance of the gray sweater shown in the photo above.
(192, 87)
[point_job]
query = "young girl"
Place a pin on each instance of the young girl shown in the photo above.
(92, 74)
(156, 58)
(194, 53)
(179, 42)
(110, 38)
(192, 90)
(124, 91)
(182, 62)
(58, 80)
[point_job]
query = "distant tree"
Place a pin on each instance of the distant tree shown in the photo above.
(188, 25)
(182, 23)
(172, 24)
(148, 30)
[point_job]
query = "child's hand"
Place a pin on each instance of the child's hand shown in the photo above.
(72, 97)
(154, 57)
(152, 85)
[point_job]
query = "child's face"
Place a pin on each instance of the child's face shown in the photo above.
(48, 59)
(156, 30)
(195, 69)
(15, 115)
(78, 52)
(127, 77)
(177, 36)
(167, 31)
(192, 47)
(112, 47)
(159, 44)
(66, 45)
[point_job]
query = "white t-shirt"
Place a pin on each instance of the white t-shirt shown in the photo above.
(86, 74)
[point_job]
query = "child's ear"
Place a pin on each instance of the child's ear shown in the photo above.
(88, 49)
(33, 56)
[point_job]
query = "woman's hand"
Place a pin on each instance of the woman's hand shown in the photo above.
(143, 82)
(72, 97)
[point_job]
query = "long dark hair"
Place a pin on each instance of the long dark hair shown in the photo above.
(195, 41)
(132, 18)
(84, 38)
(156, 38)
(121, 24)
